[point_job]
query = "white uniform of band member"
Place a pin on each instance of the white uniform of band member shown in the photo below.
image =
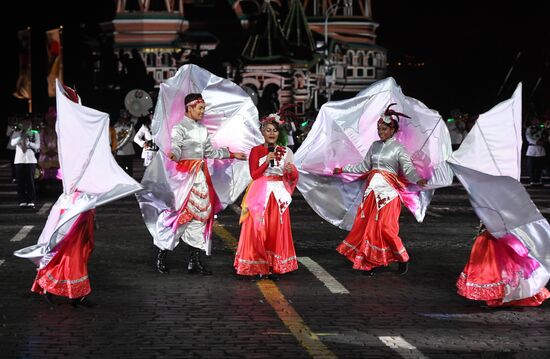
(27, 143)
(144, 139)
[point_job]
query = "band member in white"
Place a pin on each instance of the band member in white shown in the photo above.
(144, 139)
(27, 142)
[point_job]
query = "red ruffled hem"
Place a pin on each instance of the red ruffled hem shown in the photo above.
(268, 247)
(533, 301)
(281, 267)
(67, 272)
(480, 291)
(244, 268)
(371, 256)
(77, 289)
(272, 265)
(494, 293)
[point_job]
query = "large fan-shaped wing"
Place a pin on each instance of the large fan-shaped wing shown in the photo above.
(232, 121)
(231, 118)
(91, 176)
(343, 133)
(493, 145)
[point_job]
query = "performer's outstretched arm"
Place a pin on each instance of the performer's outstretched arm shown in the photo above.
(256, 170)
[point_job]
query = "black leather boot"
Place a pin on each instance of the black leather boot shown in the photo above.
(49, 299)
(370, 273)
(161, 261)
(201, 267)
(191, 267)
(269, 276)
(195, 265)
(403, 268)
(82, 301)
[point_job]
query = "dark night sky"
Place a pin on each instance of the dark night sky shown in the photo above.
(468, 46)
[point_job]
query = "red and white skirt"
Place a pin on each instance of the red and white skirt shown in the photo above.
(67, 272)
(482, 277)
(374, 238)
(266, 248)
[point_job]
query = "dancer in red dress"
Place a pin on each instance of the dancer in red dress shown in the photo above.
(509, 264)
(265, 244)
(66, 274)
(90, 178)
(374, 238)
(494, 267)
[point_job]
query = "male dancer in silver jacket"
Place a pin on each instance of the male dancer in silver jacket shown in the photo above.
(191, 145)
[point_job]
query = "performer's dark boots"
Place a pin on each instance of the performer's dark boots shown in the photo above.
(82, 301)
(403, 268)
(195, 265)
(161, 261)
(370, 273)
(191, 264)
(48, 297)
(269, 276)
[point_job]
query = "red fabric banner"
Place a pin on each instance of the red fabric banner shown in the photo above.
(23, 86)
(54, 49)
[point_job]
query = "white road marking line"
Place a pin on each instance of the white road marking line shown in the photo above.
(22, 233)
(2, 261)
(9, 193)
(402, 347)
(45, 207)
(320, 273)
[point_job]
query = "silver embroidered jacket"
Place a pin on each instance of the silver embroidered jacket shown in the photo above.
(190, 140)
(390, 156)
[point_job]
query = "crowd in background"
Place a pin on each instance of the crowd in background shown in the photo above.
(537, 140)
(459, 124)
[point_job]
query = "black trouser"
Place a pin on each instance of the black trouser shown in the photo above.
(126, 163)
(25, 182)
(12, 156)
(534, 165)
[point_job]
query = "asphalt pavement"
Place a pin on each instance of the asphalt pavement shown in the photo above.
(323, 310)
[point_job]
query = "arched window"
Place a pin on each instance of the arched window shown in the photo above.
(360, 58)
(378, 60)
(269, 102)
(349, 57)
(151, 59)
(166, 59)
(370, 59)
(338, 53)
